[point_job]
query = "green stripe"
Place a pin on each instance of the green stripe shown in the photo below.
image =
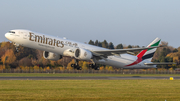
(156, 44)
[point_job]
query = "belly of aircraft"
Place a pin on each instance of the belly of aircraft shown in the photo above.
(116, 61)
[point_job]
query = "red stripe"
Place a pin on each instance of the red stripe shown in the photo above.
(136, 62)
(140, 55)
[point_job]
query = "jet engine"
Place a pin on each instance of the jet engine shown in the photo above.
(83, 54)
(51, 56)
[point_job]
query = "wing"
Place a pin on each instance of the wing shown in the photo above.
(105, 53)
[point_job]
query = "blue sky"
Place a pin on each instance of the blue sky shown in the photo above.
(135, 22)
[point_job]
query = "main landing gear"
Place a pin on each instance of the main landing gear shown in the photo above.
(94, 66)
(76, 66)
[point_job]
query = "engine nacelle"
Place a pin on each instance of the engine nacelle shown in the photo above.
(82, 54)
(51, 56)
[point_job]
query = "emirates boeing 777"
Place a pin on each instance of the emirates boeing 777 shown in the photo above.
(55, 48)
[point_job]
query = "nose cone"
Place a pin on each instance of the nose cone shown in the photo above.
(9, 37)
(6, 35)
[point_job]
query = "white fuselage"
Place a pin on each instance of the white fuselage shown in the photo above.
(60, 46)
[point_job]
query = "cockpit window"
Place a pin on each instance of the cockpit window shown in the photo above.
(12, 32)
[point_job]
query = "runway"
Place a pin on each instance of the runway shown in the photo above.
(86, 78)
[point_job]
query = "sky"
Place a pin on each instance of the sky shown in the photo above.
(130, 22)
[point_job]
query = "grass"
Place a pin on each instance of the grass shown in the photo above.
(90, 90)
(76, 74)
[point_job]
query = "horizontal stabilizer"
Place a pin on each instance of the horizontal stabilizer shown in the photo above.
(160, 63)
(145, 67)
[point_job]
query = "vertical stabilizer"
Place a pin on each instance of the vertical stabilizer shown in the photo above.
(148, 53)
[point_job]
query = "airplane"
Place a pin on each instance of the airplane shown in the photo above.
(54, 48)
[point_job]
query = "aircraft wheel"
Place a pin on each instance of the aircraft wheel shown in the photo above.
(96, 68)
(91, 65)
(79, 68)
(72, 65)
(76, 66)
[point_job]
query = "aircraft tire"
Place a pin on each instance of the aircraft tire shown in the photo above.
(96, 68)
(73, 65)
(78, 68)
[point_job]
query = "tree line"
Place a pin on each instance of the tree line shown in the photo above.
(27, 57)
(110, 45)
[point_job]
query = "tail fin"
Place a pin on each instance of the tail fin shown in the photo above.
(148, 53)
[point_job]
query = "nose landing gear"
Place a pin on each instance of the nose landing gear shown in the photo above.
(17, 46)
